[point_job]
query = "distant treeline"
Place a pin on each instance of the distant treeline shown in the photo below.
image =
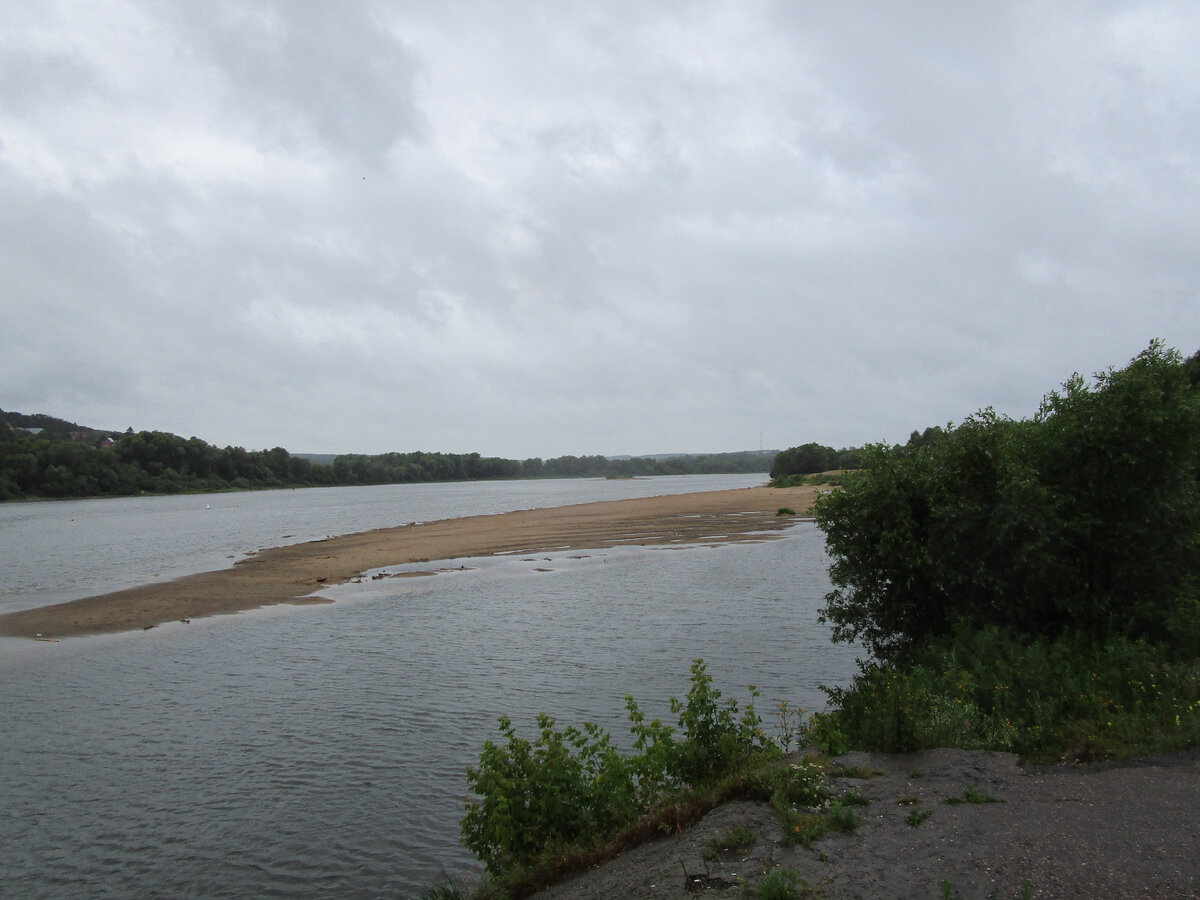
(807, 459)
(41, 456)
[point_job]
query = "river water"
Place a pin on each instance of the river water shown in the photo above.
(322, 749)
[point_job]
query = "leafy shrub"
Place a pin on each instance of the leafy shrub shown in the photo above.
(800, 784)
(841, 816)
(716, 740)
(571, 788)
(997, 690)
(555, 791)
(1084, 519)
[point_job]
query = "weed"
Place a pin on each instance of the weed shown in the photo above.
(971, 795)
(792, 726)
(854, 772)
(911, 800)
(796, 784)
(445, 889)
(947, 890)
(854, 797)
(736, 839)
(785, 511)
(1070, 698)
(804, 827)
(917, 816)
(841, 817)
(782, 884)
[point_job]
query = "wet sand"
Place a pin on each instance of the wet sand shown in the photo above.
(296, 573)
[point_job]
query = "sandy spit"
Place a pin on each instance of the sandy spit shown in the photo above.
(296, 573)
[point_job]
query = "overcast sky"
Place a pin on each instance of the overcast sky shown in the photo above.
(533, 229)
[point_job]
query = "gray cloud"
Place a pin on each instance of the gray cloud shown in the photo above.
(534, 229)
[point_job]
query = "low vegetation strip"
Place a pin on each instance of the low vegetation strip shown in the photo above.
(554, 805)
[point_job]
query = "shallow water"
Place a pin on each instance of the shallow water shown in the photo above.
(297, 750)
(64, 550)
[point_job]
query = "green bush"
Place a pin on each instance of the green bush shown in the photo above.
(998, 690)
(555, 791)
(1084, 519)
(571, 788)
(781, 884)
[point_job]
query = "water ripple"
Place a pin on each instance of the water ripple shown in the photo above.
(323, 749)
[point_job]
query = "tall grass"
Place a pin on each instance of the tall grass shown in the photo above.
(1071, 698)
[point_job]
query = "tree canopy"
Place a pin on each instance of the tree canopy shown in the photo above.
(41, 456)
(1082, 520)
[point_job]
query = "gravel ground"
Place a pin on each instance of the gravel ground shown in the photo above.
(1112, 830)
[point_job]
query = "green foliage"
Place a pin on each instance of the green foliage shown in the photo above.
(804, 460)
(854, 797)
(787, 481)
(1047, 698)
(717, 739)
(807, 826)
(971, 795)
(67, 460)
(795, 785)
(85, 462)
(917, 816)
(571, 788)
(781, 884)
(841, 816)
(445, 889)
(799, 793)
(736, 839)
(1085, 519)
(854, 771)
(555, 791)
(791, 726)
(808, 459)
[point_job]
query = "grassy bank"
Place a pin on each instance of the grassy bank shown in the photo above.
(1065, 699)
(567, 799)
(548, 807)
(1026, 586)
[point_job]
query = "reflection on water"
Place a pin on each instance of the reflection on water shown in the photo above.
(324, 748)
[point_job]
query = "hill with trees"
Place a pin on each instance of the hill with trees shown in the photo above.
(45, 457)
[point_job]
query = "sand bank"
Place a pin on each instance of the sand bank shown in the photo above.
(294, 574)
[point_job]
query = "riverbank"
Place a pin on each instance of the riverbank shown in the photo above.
(296, 573)
(957, 823)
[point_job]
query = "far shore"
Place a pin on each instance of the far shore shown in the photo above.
(296, 573)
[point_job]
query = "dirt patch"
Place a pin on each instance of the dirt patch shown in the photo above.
(1118, 830)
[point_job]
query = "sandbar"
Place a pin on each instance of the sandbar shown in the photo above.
(297, 573)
